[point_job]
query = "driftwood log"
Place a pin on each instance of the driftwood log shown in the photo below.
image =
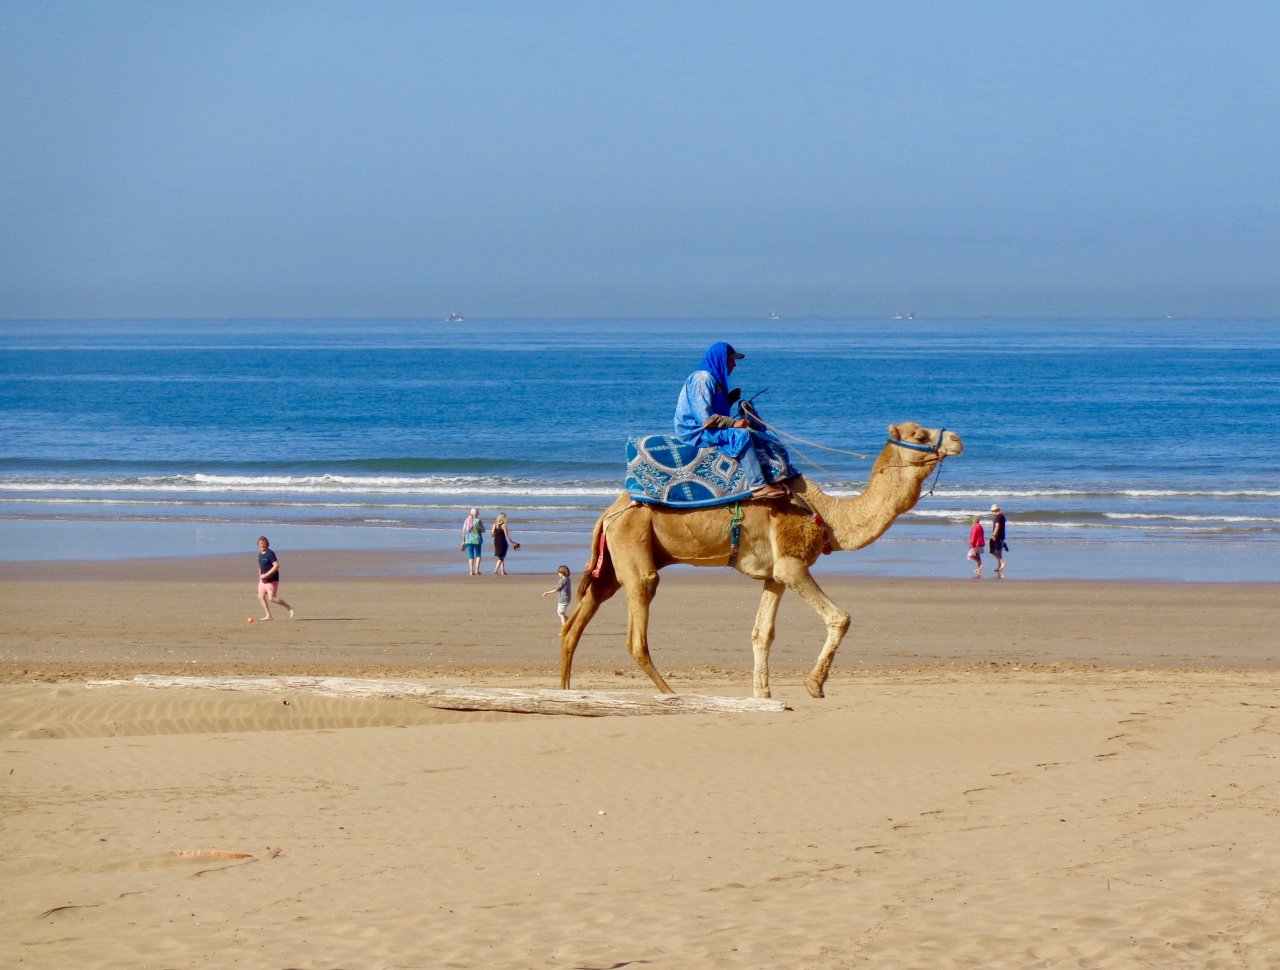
(516, 700)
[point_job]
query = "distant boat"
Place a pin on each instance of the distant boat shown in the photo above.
(456, 318)
(904, 316)
(775, 315)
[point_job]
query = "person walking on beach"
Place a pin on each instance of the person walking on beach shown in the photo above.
(501, 540)
(269, 579)
(562, 595)
(998, 546)
(472, 541)
(977, 539)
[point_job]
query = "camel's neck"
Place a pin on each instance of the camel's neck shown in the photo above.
(893, 487)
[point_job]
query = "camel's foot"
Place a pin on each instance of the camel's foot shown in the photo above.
(658, 682)
(764, 693)
(814, 686)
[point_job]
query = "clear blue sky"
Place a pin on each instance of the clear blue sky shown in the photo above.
(375, 157)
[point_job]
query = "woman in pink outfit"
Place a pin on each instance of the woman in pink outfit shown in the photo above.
(977, 539)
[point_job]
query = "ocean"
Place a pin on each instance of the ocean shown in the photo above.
(1119, 449)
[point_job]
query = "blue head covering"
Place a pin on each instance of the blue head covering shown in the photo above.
(717, 363)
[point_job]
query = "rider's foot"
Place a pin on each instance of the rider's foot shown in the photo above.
(770, 491)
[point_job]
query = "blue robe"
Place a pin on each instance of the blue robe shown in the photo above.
(706, 393)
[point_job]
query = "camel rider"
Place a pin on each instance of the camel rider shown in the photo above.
(702, 418)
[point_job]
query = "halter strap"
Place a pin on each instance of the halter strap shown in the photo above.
(935, 447)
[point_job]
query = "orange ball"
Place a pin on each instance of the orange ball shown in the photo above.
(249, 620)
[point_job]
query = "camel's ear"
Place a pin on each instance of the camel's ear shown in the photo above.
(894, 434)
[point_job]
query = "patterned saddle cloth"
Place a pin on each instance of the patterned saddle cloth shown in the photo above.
(662, 470)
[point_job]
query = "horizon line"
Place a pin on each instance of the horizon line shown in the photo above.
(914, 318)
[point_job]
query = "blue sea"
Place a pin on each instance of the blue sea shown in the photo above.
(1119, 449)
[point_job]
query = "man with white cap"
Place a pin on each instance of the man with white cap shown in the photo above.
(996, 545)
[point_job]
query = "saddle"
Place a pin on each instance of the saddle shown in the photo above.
(663, 470)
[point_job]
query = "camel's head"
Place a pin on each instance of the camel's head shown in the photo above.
(936, 442)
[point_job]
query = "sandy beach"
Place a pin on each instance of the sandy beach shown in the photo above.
(1003, 774)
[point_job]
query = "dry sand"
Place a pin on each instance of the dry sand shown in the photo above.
(1003, 774)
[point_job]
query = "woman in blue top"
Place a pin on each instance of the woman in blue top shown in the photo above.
(702, 418)
(472, 541)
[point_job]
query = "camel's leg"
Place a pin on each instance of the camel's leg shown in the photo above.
(599, 591)
(762, 635)
(795, 575)
(640, 593)
(631, 541)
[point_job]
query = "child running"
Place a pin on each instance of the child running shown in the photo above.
(269, 579)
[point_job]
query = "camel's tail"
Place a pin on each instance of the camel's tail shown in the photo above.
(600, 563)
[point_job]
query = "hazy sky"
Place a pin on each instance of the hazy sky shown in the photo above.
(317, 158)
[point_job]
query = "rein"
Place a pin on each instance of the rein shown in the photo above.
(751, 414)
(804, 441)
(935, 448)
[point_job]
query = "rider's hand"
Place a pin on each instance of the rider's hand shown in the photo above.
(742, 423)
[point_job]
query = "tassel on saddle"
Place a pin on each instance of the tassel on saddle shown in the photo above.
(735, 533)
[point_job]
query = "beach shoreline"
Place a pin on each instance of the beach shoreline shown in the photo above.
(911, 549)
(358, 613)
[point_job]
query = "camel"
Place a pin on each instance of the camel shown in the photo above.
(779, 540)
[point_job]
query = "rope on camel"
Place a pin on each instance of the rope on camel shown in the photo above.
(840, 451)
(826, 471)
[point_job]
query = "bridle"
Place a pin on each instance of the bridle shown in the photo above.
(935, 449)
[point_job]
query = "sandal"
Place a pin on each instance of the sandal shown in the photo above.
(770, 491)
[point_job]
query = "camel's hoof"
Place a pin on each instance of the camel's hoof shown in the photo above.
(814, 687)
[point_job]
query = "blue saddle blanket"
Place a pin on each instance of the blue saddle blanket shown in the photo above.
(663, 470)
